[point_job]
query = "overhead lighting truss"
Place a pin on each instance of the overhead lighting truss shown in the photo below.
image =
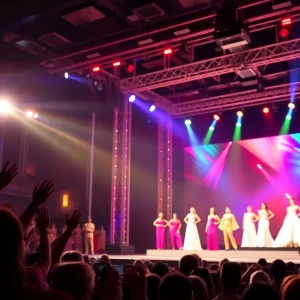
(212, 67)
(242, 99)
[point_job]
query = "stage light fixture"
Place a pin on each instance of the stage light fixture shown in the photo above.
(216, 117)
(5, 107)
(152, 108)
(285, 27)
(188, 122)
(291, 105)
(131, 98)
(96, 69)
(259, 166)
(130, 68)
(239, 113)
(117, 64)
(266, 110)
(29, 114)
(168, 51)
(66, 75)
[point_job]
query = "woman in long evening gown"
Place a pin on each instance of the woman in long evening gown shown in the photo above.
(264, 237)
(192, 239)
(175, 236)
(289, 234)
(249, 233)
(160, 223)
(212, 230)
(228, 225)
(77, 239)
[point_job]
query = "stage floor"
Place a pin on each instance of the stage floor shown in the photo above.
(250, 256)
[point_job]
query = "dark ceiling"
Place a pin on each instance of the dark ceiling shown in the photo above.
(75, 35)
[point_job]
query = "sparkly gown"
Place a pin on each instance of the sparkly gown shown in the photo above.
(212, 234)
(264, 237)
(289, 234)
(191, 239)
(161, 234)
(249, 234)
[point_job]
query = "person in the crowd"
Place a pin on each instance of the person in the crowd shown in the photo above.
(105, 258)
(291, 268)
(262, 262)
(153, 282)
(222, 263)
(291, 289)
(230, 279)
(75, 279)
(260, 276)
(52, 233)
(175, 286)
(259, 291)
(160, 269)
(204, 274)
(213, 268)
(72, 256)
(199, 288)
(278, 270)
(89, 229)
(187, 264)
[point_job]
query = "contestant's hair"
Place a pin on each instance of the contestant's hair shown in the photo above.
(215, 211)
(266, 205)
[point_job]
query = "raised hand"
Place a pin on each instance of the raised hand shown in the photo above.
(73, 222)
(7, 174)
(41, 195)
(43, 219)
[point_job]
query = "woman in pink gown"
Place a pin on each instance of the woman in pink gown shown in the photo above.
(175, 237)
(212, 230)
(160, 223)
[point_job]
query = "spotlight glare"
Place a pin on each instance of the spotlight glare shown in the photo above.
(266, 110)
(291, 105)
(167, 51)
(96, 69)
(132, 98)
(216, 117)
(238, 124)
(211, 128)
(35, 116)
(288, 117)
(117, 63)
(29, 114)
(5, 107)
(288, 196)
(152, 108)
(259, 166)
(66, 75)
(188, 122)
(239, 113)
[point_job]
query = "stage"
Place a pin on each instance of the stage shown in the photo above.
(249, 256)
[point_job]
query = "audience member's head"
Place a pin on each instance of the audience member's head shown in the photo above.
(231, 274)
(222, 263)
(72, 256)
(12, 270)
(160, 269)
(291, 268)
(260, 276)
(188, 263)
(75, 279)
(204, 274)
(105, 258)
(50, 295)
(87, 259)
(200, 261)
(291, 290)
(259, 291)
(205, 264)
(153, 282)
(143, 265)
(278, 269)
(213, 267)
(262, 262)
(244, 267)
(175, 286)
(199, 288)
(285, 281)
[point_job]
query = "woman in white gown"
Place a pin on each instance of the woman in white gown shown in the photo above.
(289, 234)
(249, 233)
(264, 237)
(192, 239)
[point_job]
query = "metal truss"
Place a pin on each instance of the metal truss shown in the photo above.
(273, 94)
(213, 67)
(160, 101)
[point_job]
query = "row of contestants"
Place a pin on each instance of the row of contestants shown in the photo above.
(289, 235)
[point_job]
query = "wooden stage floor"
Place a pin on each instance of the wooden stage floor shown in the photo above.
(250, 256)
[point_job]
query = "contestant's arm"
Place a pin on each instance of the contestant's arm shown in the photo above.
(155, 223)
(271, 215)
(197, 219)
(207, 224)
(244, 221)
(186, 219)
(179, 227)
(167, 224)
(218, 220)
(255, 217)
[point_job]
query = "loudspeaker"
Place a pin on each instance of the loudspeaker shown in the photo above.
(118, 249)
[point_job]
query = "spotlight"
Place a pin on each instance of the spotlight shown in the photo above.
(152, 108)
(288, 117)
(211, 128)
(96, 69)
(239, 113)
(266, 110)
(29, 114)
(132, 98)
(291, 105)
(288, 196)
(5, 107)
(259, 166)
(216, 117)
(167, 51)
(66, 75)
(238, 124)
(35, 116)
(130, 68)
(117, 63)
(188, 122)
(285, 27)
